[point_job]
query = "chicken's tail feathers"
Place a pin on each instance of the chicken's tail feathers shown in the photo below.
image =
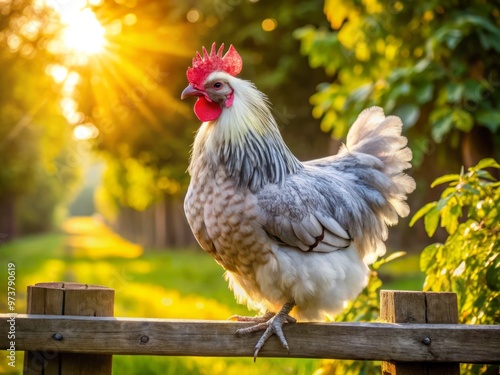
(376, 141)
(375, 134)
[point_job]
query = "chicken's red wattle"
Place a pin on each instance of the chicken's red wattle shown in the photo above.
(205, 110)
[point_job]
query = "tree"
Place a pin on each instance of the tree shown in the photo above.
(33, 134)
(433, 63)
(132, 96)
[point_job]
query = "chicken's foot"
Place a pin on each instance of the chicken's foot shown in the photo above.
(272, 326)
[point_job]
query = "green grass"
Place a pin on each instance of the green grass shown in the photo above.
(160, 284)
(402, 273)
(150, 365)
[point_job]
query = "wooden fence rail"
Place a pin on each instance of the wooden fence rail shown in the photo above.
(364, 341)
(419, 336)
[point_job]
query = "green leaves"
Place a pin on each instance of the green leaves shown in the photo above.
(493, 274)
(442, 125)
(489, 118)
(444, 179)
(424, 93)
(463, 120)
(409, 114)
(447, 210)
(427, 257)
(468, 263)
(486, 163)
(423, 211)
(450, 218)
(434, 64)
(431, 221)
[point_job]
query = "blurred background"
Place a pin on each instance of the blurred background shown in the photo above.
(94, 140)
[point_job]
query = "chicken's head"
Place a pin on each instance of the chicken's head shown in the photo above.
(213, 91)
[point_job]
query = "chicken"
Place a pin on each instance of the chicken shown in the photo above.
(291, 235)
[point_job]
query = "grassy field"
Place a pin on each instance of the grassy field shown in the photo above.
(184, 284)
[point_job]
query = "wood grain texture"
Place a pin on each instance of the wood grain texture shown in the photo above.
(68, 299)
(441, 308)
(419, 307)
(363, 341)
(44, 298)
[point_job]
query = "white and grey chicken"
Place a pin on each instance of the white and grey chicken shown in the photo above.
(291, 235)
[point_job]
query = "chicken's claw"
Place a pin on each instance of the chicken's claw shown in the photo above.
(272, 326)
(253, 319)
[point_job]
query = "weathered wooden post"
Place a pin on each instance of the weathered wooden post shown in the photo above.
(68, 299)
(419, 307)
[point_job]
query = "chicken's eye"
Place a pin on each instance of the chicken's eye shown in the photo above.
(217, 85)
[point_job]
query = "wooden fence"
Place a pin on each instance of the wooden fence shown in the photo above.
(70, 329)
(162, 225)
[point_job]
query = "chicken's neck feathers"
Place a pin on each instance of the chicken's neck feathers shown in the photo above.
(245, 139)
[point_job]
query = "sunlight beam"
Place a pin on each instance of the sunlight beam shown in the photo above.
(83, 33)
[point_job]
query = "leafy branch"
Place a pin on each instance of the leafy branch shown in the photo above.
(468, 263)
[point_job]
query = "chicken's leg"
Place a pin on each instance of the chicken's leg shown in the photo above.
(270, 327)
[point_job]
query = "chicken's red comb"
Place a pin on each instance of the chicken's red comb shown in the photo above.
(202, 66)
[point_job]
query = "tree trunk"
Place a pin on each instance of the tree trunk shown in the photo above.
(476, 145)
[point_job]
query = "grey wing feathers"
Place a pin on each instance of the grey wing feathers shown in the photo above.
(357, 192)
(298, 218)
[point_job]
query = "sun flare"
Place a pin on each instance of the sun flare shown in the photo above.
(100, 59)
(83, 33)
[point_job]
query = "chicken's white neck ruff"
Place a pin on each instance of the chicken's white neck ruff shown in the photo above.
(245, 138)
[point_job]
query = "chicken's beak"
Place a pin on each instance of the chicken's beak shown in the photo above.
(191, 91)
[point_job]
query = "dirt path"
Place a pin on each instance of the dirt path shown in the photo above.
(90, 237)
